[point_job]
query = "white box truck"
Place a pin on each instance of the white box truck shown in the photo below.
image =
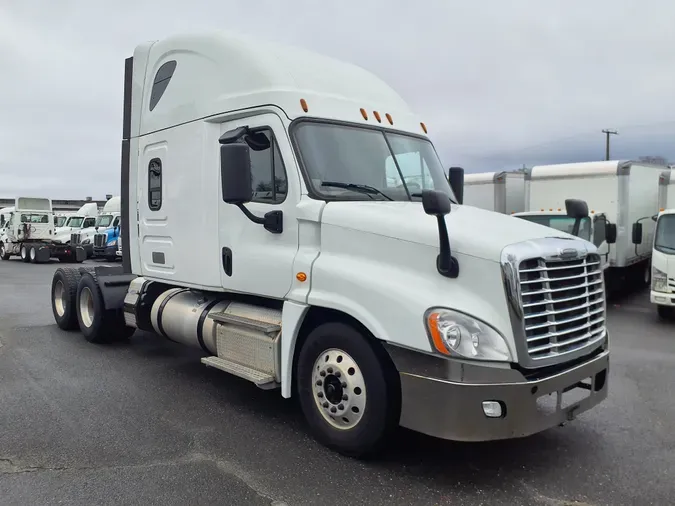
(502, 192)
(622, 197)
(377, 301)
(663, 254)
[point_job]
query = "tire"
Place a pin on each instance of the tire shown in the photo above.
(24, 254)
(32, 255)
(98, 325)
(647, 274)
(666, 313)
(64, 295)
(369, 406)
(3, 252)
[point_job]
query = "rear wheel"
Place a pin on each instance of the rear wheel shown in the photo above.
(64, 292)
(32, 254)
(98, 324)
(348, 389)
(24, 254)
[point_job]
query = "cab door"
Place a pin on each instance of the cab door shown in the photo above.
(254, 260)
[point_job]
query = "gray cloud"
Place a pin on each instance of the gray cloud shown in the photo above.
(498, 83)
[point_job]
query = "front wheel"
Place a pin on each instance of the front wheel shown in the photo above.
(3, 252)
(666, 313)
(348, 389)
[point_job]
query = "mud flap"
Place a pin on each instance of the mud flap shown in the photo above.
(43, 254)
(80, 254)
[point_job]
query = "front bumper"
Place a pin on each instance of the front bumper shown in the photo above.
(105, 251)
(662, 298)
(454, 409)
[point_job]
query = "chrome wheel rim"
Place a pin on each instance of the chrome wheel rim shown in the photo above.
(60, 298)
(87, 307)
(339, 389)
(32, 253)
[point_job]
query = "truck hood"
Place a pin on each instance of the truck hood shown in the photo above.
(472, 231)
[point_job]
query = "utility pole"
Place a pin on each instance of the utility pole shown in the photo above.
(608, 133)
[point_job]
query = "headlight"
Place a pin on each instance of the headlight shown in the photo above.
(659, 280)
(456, 334)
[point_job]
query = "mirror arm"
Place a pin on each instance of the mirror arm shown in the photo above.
(446, 264)
(250, 215)
(272, 221)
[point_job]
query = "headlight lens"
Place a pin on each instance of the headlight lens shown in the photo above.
(659, 280)
(456, 334)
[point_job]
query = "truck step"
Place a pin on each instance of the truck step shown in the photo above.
(259, 378)
(243, 321)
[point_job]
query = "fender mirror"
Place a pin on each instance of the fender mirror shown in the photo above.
(437, 203)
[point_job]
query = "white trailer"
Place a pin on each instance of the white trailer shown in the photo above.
(376, 300)
(502, 192)
(29, 233)
(663, 254)
(622, 197)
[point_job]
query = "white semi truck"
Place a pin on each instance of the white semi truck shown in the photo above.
(663, 255)
(29, 233)
(622, 197)
(79, 229)
(261, 224)
(107, 228)
(502, 192)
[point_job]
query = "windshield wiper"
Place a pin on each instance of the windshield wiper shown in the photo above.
(363, 188)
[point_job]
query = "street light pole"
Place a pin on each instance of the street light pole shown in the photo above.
(608, 133)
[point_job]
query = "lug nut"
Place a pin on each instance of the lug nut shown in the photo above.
(330, 370)
(333, 410)
(319, 383)
(320, 394)
(323, 374)
(325, 404)
(344, 397)
(344, 384)
(337, 374)
(341, 407)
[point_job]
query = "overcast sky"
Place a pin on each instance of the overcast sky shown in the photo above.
(499, 83)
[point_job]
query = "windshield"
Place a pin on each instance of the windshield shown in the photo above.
(75, 221)
(562, 223)
(104, 220)
(59, 221)
(376, 165)
(664, 240)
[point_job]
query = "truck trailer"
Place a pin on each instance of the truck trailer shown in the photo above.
(261, 224)
(502, 192)
(622, 197)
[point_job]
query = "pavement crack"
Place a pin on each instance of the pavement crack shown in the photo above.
(7, 466)
(552, 501)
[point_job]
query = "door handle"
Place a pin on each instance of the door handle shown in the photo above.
(227, 261)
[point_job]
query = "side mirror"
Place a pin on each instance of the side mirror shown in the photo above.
(655, 217)
(577, 209)
(235, 172)
(456, 180)
(610, 233)
(436, 203)
(637, 233)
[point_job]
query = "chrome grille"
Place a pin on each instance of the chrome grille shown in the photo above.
(75, 239)
(100, 240)
(563, 303)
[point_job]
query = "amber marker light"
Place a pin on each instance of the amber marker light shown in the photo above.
(432, 320)
(301, 276)
(377, 116)
(424, 127)
(364, 113)
(303, 104)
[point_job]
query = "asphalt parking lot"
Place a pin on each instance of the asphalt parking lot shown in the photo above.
(146, 423)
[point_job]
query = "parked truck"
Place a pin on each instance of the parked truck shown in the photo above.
(622, 197)
(107, 228)
(376, 302)
(502, 192)
(29, 233)
(662, 292)
(79, 229)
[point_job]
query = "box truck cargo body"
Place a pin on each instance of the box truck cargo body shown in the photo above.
(622, 193)
(502, 192)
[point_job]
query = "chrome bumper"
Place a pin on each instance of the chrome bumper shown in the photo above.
(454, 410)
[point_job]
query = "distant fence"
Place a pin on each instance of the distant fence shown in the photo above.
(60, 205)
